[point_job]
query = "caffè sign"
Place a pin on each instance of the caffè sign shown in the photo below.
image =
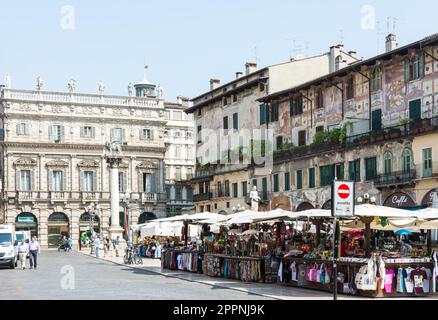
(399, 200)
(430, 197)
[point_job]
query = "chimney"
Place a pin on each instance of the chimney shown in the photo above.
(335, 53)
(239, 74)
(214, 83)
(179, 100)
(250, 67)
(391, 42)
(353, 54)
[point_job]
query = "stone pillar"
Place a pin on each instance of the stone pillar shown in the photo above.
(114, 229)
(161, 176)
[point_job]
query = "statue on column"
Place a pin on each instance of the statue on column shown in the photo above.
(160, 92)
(113, 148)
(8, 81)
(255, 199)
(71, 85)
(130, 89)
(40, 83)
(101, 87)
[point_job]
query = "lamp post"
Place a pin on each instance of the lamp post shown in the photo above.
(366, 198)
(126, 199)
(91, 209)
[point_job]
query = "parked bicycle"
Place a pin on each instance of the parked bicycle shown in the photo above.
(132, 256)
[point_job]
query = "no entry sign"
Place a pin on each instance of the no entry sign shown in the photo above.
(343, 198)
(343, 191)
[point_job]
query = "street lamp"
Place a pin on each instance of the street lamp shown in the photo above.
(126, 199)
(91, 209)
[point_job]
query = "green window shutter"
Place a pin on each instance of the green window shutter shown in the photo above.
(276, 186)
(341, 172)
(300, 104)
(235, 121)
(265, 188)
(287, 181)
(267, 112)
(370, 168)
(254, 182)
(376, 121)
(291, 106)
(406, 69)
(421, 64)
(311, 177)
(225, 123)
(262, 113)
(299, 179)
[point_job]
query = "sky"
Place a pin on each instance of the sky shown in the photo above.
(185, 43)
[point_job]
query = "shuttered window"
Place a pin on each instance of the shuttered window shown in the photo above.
(370, 168)
(287, 181)
(276, 185)
(311, 177)
(299, 179)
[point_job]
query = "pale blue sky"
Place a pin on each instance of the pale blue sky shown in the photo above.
(186, 42)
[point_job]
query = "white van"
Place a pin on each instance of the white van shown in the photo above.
(8, 246)
(22, 235)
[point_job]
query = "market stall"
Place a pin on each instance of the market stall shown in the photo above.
(397, 263)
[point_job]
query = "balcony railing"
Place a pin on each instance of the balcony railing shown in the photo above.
(302, 151)
(27, 196)
(215, 169)
(89, 196)
(395, 178)
(60, 196)
(202, 196)
(395, 132)
(34, 95)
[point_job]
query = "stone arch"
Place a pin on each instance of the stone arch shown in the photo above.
(304, 206)
(146, 216)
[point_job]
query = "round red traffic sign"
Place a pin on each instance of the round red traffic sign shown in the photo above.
(343, 191)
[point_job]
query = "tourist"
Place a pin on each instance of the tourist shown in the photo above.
(23, 251)
(116, 244)
(96, 246)
(34, 250)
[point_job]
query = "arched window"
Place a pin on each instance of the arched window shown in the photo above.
(387, 162)
(407, 159)
(376, 79)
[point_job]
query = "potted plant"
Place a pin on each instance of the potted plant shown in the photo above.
(394, 132)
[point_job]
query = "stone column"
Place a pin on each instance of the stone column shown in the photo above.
(114, 229)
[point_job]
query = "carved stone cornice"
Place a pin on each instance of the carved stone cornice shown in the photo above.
(57, 163)
(88, 163)
(25, 162)
(148, 164)
(36, 145)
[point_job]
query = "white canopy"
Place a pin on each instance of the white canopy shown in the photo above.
(428, 213)
(372, 210)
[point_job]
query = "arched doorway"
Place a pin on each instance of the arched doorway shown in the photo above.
(57, 226)
(327, 205)
(26, 221)
(305, 206)
(146, 216)
(88, 222)
(430, 198)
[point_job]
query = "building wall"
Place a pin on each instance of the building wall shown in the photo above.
(75, 153)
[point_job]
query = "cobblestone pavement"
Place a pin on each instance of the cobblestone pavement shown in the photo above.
(72, 275)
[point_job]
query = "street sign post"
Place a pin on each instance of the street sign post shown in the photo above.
(343, 199)
(343, 196)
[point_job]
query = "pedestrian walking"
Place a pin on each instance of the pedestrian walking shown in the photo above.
(34, 250)
(23, 251)
(96, 246)
(69, 244)
(105, 247)
(116, 244)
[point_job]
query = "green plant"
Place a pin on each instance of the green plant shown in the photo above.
(319, 138)
(343, 132)
(405, 121)
(335, 135)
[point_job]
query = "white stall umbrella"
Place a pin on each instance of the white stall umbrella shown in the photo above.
(372, 210)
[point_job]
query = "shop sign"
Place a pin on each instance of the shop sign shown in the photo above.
(399, 200)
(431, 198)
(25, 219)
(343, 198)
(84, 228)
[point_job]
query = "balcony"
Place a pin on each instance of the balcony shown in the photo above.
(89, 196)
(202, 197)
(58, 196)
(392, 133)
(215, 169)
(303, 151)
(26, 196)
(398, 178)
